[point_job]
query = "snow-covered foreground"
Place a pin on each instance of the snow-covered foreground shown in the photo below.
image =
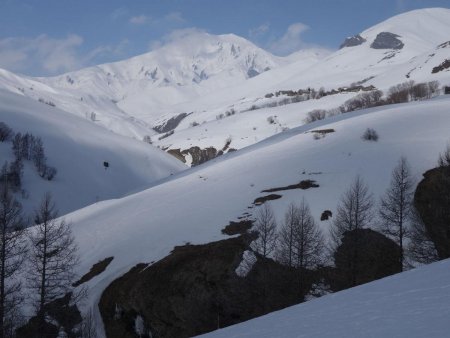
(193, 206)
(77, 149)
(411, 304)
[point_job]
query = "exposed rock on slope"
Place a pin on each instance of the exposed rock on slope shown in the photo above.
(353, 41)
(195, 290)
(432, 201)
(378, 257)
(387, 40)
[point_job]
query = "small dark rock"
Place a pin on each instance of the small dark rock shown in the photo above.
(353, 41)
(263, 199)
(96, 269)
(305, 184)
(326, 215)
(236, 228)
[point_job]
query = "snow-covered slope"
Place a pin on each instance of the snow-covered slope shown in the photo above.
(195, 205)
(413, 304)
(422, 34)
(77, 149)
(192, 65)
(204, 75)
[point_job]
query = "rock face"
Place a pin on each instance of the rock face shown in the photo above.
(198, 154)
(377, 257)
(170, 124)
(387, 40)
(443, 66)
(353, 41)
(195, 290)
(62, 319)
(432, 201)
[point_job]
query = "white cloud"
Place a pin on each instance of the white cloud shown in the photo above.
(49, 54)
(45, 55)
(175, 17)
(259, 31)
(188, 36)
(291, 41)
(118, 13)
(140, 19)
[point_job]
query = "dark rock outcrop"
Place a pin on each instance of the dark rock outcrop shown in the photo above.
(432, 201)
(305, 184)
(353, 41)
(95, 270)
(444, 65)
(387, 40)
(195, 290)
(264, 199)
(177, 153)
(237, 228)
(198, 154)
(170, 124)
(377, 257)
(252, 73)
(61, 315)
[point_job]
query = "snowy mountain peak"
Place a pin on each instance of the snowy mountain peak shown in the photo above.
(425, 27)
(186, 59)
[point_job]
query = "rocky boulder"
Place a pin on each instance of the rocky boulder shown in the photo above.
(353, 41)
(387, 40)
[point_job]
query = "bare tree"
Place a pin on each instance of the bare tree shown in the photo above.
(421, 247)
(285, 249)
(266, 227)
(444, 158)
(53, 257)
(354, 212)
(38, 156)
(308, 242)
(6, 132)
(12, 254)
(396, 205)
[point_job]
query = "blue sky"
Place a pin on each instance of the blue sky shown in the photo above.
(46, 37)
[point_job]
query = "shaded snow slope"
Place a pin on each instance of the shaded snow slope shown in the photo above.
(195, 205)
(77, 149)
(411, 304)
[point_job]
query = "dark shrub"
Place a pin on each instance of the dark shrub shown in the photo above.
(370, 135)
(315, 115)
(6, 132)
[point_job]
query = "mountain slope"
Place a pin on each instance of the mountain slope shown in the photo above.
(420, 32)
(411, 304)
(203, 76)
(192, 65)
(425, 46)
(77, 149)
(195, 205)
